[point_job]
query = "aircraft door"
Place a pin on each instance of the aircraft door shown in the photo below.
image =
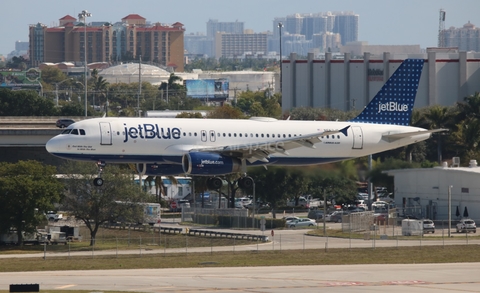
(357, 137)
(105, 133)
(204, 135)
(212, 135)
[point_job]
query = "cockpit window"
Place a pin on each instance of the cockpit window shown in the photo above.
(74, 131)
(66, 131)
(82, 131)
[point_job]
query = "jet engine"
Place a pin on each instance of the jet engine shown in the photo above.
(204, 163)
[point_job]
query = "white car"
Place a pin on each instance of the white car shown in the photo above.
(302, 222)
(466, 225)
(242, 202)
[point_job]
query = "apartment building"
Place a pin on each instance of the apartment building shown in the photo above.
(131, 38)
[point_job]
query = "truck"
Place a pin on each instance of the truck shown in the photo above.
(411, 227)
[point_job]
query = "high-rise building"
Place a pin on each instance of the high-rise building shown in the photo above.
(106, 42)
(237, 45)
(466, 38)
(346, 24)
(214, 26)
(334, 26)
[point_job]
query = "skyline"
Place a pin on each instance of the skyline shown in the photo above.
(381, 22)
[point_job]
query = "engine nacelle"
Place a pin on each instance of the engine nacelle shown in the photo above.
(202, 163)
(159, 169)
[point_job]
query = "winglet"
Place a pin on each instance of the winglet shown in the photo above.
(393, 104)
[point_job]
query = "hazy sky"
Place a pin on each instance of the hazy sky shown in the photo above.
(381, 22)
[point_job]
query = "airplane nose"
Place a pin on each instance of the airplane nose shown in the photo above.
(51, 145)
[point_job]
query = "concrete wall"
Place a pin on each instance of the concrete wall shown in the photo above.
(347, 83)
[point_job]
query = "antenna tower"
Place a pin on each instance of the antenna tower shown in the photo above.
(441, 29)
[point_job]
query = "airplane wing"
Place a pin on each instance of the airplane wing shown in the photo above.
(260, 151)
(396, 136)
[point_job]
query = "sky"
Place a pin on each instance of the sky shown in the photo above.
(381, 22)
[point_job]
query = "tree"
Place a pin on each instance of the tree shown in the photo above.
(439, 117)
(25, 103)
(18, 62)
(95, 205)
(297, 184)
(271, 185)
(226, 112)
(333, 185)
(26, 187)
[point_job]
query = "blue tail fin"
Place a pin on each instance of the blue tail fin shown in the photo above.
(393, 104)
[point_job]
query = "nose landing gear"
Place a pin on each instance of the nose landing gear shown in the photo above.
(99, 180)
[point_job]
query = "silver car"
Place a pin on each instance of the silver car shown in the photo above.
(301, 222)
(466, 225)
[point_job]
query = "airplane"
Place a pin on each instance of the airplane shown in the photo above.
(215, 147)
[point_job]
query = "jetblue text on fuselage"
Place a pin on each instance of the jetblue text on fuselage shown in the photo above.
(150, 131)
(392, 106)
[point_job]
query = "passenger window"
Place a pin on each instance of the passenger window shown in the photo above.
(240, 134)
(284, 136)
(194, 134)
(229, 135)
(224, 134)
(262, 134)
(235, 135)
(268, 135)
(256, 135)
(338, 136)
(289, 135)
(189, 134)
(184, 134)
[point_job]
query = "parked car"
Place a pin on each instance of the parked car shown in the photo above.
(335, 216)
(354, 209)
(290, 218)
(242, 202)
(315, 214)
(302, 222)
(62, 123)
(466, 225)
(428, 226)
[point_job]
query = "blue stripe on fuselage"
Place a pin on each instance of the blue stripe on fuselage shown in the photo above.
(290, 161)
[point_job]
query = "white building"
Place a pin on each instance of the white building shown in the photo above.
(425, 192)
(350, 84)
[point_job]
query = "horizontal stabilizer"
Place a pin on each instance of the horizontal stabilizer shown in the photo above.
(396, 136)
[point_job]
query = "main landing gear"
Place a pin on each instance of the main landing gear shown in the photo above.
(216, 183)
(99, 180)
(245, 182)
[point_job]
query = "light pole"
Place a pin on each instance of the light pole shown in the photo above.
(280, 25)
(56, 89)
(83, 15)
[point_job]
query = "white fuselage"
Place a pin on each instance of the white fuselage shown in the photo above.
(160, 140)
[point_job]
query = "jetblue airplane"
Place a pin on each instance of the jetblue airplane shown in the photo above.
(210, 147)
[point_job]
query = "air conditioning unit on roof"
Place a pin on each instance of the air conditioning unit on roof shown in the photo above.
(456, 162)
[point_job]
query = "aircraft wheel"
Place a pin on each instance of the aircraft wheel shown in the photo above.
(98, 181)
(215, 183)
(245, 182)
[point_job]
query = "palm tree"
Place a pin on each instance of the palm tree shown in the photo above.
(100, 86)
(439, 117)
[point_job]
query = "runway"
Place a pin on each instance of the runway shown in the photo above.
(414, 278)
